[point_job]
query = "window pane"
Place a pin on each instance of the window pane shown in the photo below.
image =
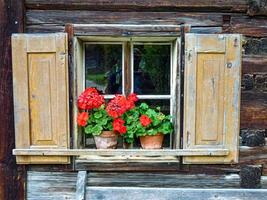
(152, 69)
(103, 67)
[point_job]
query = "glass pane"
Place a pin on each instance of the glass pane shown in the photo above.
(152, 69)
(103, 67)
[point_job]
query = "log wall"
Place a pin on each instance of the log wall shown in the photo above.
(11, 175)
(247, 17)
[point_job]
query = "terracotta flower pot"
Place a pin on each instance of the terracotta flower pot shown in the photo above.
(106, 140)
(152, 141)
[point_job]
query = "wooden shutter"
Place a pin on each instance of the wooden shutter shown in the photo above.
(212, 96)
(40, 85)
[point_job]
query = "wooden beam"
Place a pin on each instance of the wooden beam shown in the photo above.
(139, 193)
(253, 112)
(126, 30)
(61, 17)
(12, 176)
(81, 185)
(140, 5)
(128, 152)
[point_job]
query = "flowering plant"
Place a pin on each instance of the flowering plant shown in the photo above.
(97, 116)
(143, 120)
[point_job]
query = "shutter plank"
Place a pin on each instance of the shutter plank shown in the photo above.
(40, 95)
(212, 96)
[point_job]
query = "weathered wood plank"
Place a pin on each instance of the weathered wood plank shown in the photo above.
(248, 26)
(81, 185)
(134, 5)
(128, 152)
(253, 113)
(11, 175)
(61, 17)
(139, 193)
(253, 64)
(51, 185)
(126, 30)
(248, 155)
(170, 180)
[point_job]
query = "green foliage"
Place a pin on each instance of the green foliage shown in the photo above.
(155, 62)
(98, 121)
(160, 123)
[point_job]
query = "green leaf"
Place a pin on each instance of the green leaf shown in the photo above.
(98, 115)
(97, 129)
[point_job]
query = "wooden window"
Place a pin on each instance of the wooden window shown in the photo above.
(121, 66)
(211, 92)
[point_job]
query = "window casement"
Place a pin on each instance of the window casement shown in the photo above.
(211, 91)
(128, 73)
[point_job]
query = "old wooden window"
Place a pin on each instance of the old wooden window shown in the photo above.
(145, 66)
(211, 91)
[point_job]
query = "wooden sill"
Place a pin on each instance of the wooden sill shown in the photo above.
(120, 152)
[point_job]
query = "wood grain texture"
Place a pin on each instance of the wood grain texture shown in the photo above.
(62, 184)
(212, 95)
(134, 5)
(253, 113)
(248, 26)
(81, 185)
(51, 185)
(12, 176)
(41, 116)
(139, 193)
(119, 152)
(61, 17)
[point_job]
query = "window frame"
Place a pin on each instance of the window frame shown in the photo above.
(129, 42)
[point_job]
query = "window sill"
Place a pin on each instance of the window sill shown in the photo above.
(120, 152)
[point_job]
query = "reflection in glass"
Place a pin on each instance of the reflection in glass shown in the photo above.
(152, 69)
(103, 67)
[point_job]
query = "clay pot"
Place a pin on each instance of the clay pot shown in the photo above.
(152, 141)
(106, 140)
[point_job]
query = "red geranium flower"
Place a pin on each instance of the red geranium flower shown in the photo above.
(90, 99)
(145, 120)
(118, 125)
(117, 106)
(132, 97)
(82, 118)
(120, 104)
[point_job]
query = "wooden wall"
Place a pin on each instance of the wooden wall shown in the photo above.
(248, 17)
(11, 175)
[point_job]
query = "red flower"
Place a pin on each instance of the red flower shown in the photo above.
(90, 99)
(132, 97)
(82, 118)
(117, 106)
(145, 120)
(118, 125)
(120, 104)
